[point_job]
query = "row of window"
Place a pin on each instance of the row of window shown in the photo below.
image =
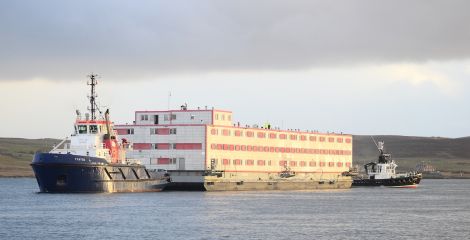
(153, 131)
(283, 163)
(166, 117)
(126, 131)
(165, 161)
(89, 129)
(222, 117)
(271, 135)
(166, 146)
(163, 131)
(250, 148)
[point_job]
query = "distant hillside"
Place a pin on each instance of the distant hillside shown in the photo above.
(17, 153)
(446, 154)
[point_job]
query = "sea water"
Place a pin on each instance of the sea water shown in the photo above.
(437, 209)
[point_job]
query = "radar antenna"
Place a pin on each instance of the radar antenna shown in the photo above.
(379, 145)
(93, 96)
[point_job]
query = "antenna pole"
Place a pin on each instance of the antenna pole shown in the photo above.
(93, 95)
(169, 99)
(380, 145)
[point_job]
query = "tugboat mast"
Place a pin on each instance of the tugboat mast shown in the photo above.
(93, 96)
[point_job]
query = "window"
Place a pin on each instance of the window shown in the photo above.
(293, 137)
(261, 135)
(303, 138)
(169, 117)
(173, 131)
(250, 134)
(322, 139)
(339, 164)
(348, 140)
(216, 116)
(313, 138)
(283, 136)
(223, 117)
(249, 162)
(130, 131)
(214, 131)
(238, 133)
(312, 164)
(172, 145)
(331, 164)
(261, 162)
(293, 163)
(237, 162)
(272, 135)
(331, 139)
(226, 132)
(229, 117)
(93, 129)
(339, 140)
(303, 163)
(237, 147)
(82, 129)
(226, 162)
(144, 117)
(269, 163)
(282, 163)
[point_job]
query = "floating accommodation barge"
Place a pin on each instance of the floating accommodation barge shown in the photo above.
(204, 150)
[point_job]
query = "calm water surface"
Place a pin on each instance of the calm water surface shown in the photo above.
(438, 209)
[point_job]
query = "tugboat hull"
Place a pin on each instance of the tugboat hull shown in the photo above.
(405, 182)
(68, 173)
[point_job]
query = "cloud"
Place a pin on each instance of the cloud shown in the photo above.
(417, 75)
(145, 39)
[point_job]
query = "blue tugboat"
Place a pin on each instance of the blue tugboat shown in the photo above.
(93, 160)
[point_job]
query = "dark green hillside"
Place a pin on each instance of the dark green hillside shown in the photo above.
(446, 154)
(16, 154)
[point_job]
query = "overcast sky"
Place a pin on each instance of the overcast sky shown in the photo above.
(361, 67)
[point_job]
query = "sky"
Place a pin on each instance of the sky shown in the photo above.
(359, 67)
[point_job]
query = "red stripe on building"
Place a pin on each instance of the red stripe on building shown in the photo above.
(163, 161)
(142, 146)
